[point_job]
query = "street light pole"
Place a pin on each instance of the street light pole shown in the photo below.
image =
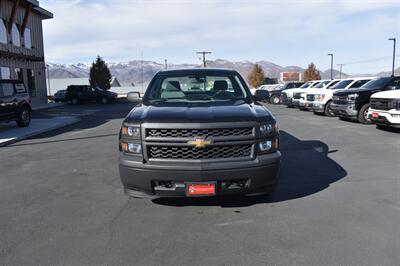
(204, 56)
(331, 55)
(394, 53)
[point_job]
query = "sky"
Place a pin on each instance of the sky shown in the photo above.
(286, 32)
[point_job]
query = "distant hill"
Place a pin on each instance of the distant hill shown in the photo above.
(131, 72)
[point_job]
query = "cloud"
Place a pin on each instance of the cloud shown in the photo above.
(285, 32)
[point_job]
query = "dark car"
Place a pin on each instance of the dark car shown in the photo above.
(84, 93)
(354, 103)
(199, 132)
(59, 96)
(15, 103)
(275, 95)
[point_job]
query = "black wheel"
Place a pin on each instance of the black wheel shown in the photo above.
(75, 100)
(275, 99)
(24, 116)
(104, 100)
(363, 115)
(328, 111)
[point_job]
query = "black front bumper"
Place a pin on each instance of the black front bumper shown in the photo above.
(253, 178)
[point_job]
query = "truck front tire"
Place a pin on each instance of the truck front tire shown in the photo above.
(363, 115)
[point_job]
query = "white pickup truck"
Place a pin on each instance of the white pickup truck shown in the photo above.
(385, 108)
(319, 100)
(299, 98)
(287, 95)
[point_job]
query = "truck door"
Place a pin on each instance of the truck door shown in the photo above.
(8, 100)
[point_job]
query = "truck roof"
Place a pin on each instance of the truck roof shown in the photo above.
(204, 71)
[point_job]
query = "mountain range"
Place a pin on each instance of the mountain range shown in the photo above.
(131, 72)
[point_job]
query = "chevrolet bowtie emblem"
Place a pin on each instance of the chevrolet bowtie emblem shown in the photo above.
(200, 143)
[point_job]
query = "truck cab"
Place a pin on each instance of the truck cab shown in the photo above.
(354, 103)
(384, 108)
(197, 133)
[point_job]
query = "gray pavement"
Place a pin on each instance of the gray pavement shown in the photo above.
(338, 202)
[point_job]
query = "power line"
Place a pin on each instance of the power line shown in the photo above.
(370, 60)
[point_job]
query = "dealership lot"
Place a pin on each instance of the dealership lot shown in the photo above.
(338, 201)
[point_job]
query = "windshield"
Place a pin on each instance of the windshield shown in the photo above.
(342, 84)
(322, 84)
(333, 83)
(189, 88)
(305, 85)
(380, 82)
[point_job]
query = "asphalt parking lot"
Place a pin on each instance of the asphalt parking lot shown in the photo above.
(338, 202)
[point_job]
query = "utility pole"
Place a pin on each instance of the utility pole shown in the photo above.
(394, 53)
(331, 55)
(48, 77)
(204, 56)
(340, 73)
(166, 64)
(141, 63)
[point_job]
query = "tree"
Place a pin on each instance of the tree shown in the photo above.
(100, 75)
(311, 73)
(256, 76)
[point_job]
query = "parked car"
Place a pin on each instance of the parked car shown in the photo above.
(275, 95)
(15, 103)
(84, 93)
(287, 95)
(354, 103)
(59, 96)
(199, 132)
(299, 96)
(384, 108)
(267, 87)
(319, 100)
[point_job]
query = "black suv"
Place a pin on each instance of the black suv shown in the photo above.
(15, 103)
(84, 93)
(354, 103)
(199, 132)
(275, 95)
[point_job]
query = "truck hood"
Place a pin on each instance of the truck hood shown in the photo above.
(351, 91)
(201, 113)
(392, 94)
(294, 90)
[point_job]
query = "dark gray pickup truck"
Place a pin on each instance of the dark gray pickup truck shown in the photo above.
(199, 132)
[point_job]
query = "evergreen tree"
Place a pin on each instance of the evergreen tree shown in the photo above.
(256, 77)
(100, 75)
(311, 73)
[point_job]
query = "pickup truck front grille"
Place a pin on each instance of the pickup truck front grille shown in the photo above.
(383, 104)
(297, 95)
(205, 133)
(310, 97)
(192, 153)
(340, 99)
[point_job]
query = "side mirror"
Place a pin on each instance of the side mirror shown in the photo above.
(261, 95)
(133, 96)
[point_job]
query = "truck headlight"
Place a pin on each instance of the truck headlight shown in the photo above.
(352, 97)
(133, 148)
(267, 129)
(130, 131)
(319, 97)
(268, 145)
